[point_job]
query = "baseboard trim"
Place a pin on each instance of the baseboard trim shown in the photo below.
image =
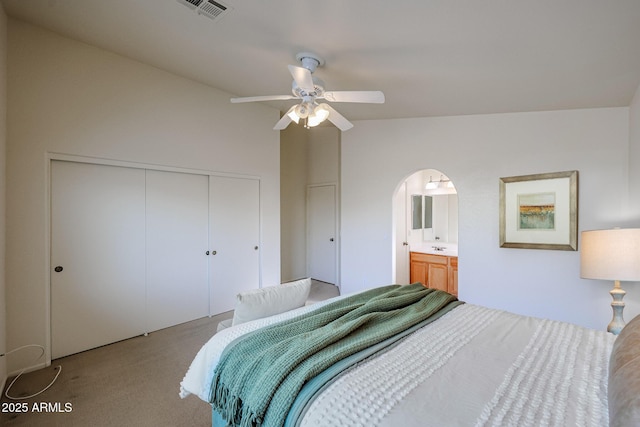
(27, 369)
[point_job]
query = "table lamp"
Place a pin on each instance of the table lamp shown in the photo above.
(612, 255)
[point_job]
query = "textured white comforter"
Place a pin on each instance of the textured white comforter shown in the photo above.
(474, 366)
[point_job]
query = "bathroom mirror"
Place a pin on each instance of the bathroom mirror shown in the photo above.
(444, 219)
(428, 212)
(416, 212)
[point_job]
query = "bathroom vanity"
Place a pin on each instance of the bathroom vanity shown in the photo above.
(434, 271)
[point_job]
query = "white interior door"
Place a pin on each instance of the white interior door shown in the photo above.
(97, 255)
(177, 236)
(321, 232)
(234, 242)
(401, 238)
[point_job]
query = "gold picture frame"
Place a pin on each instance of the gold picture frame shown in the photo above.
(539, 211)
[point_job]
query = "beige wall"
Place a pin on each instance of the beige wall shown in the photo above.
(72, 98)
(308, 156)
(293, 185)
(323, 155)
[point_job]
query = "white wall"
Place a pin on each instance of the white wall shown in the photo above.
(69, 97)
(634, 158)
(475, 151)
(415, 185)
(3, 151)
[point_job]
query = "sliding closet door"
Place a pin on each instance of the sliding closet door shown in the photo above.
(235, 236)
(177, 214)
(97, 255)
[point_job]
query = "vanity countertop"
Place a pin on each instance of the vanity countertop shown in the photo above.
(436, 249)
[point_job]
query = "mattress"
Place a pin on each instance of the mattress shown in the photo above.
(473, 366)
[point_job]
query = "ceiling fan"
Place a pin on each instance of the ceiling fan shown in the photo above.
(309, 90)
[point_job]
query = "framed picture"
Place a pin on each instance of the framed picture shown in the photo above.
(539, 211)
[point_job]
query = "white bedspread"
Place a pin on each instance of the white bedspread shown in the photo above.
(474, 366)
(197, 380)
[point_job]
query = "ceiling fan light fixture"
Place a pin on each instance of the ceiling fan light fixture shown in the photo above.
(319, 115)
(302, 110)
(310, 89)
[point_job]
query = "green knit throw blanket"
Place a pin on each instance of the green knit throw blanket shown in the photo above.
(260, 374)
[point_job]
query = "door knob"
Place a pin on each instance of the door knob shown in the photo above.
(214, 252)
(331, 239)
(255, 247)
(405, 244)
(58, 269)
(206, 253)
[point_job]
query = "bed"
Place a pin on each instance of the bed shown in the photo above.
(459, 365)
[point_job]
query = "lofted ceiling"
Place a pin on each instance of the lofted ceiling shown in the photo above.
(429, 57)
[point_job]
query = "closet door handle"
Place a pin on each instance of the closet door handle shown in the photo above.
(58, 269)
(206, 253)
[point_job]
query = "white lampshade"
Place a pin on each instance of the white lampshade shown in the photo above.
(611, 254)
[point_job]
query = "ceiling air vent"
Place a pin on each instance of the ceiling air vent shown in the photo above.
(209, 8)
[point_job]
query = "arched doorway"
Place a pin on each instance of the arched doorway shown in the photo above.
(425, 215)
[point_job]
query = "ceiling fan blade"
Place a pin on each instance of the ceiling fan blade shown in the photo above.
(303, 78)
(282, 123)
(285, 120)
(262, 98)
(337, 119)
(371, 96)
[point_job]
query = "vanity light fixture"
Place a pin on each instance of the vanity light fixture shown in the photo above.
(444, 183)
(431, 185)
(444, 186)
(440, 187)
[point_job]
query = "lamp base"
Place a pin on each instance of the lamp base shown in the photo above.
(617, 305)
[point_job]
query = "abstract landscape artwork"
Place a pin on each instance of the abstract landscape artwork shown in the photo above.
(537, 211)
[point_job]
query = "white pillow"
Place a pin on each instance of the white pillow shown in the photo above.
(259, 303)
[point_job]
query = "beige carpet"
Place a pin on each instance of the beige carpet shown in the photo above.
(134, 382)
(130, 383)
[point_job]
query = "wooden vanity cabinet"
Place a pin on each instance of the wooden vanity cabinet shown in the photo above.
(453, 275)
(434, 271)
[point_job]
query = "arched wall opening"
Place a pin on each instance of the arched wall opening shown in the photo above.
(425, 220)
